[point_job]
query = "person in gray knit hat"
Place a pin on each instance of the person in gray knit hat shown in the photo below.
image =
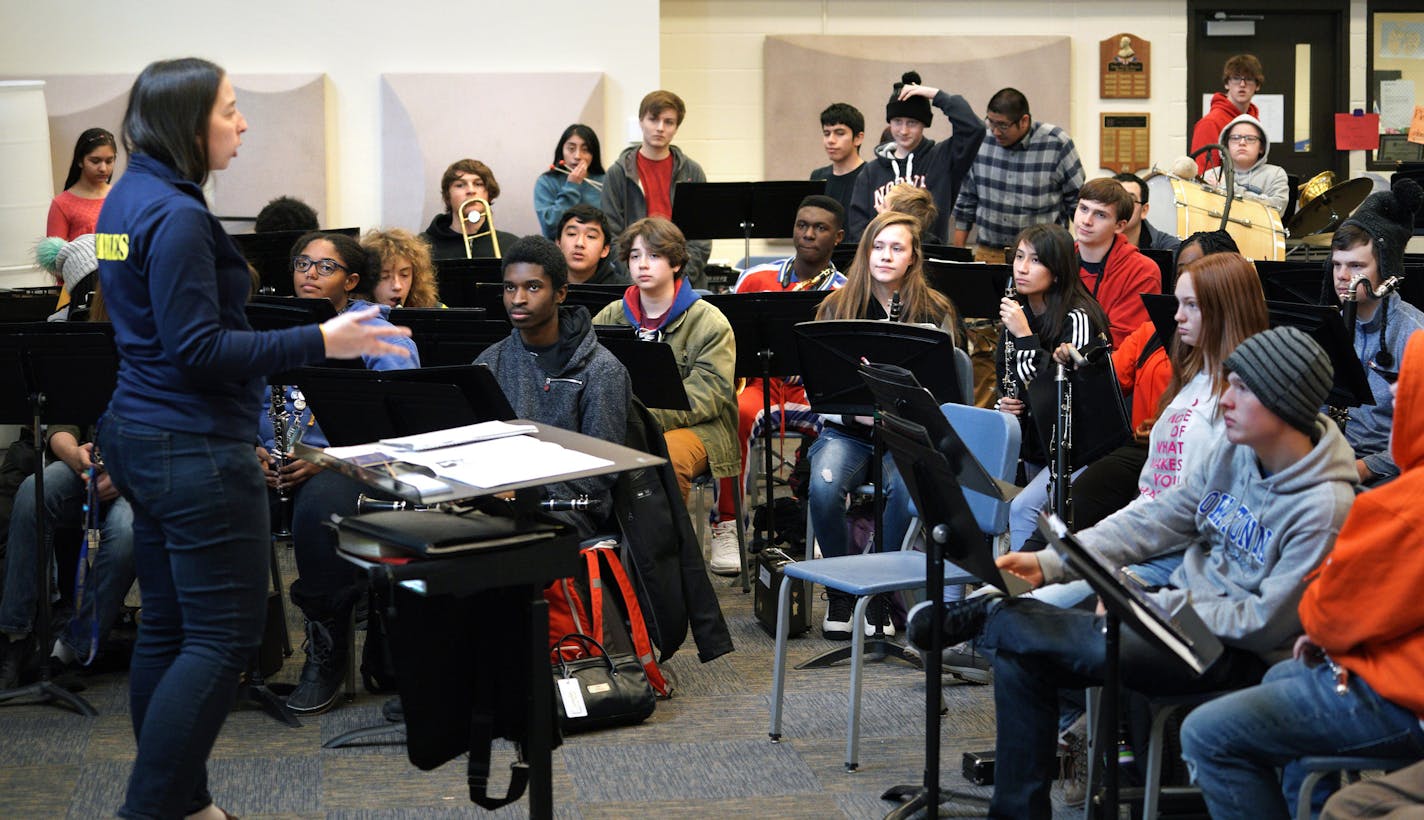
(1288, 372)
(1366, 251)
(1253, 518)
(74, 264)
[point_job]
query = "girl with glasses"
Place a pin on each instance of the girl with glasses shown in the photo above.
(1247, 147)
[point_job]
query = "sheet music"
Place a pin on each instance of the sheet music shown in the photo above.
(458, 435)
(506, 460)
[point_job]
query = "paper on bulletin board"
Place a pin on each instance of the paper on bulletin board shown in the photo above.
(1354, 133)
(1272, 108)
(1416, 129)
(1396, 104)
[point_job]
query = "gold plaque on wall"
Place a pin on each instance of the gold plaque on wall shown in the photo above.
(1126, 64)
(1125, 141)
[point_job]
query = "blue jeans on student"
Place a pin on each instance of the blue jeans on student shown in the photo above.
(1039, 650)
(107, 582)
(839, 464)
(1154, 572)
(201, 542)
(1234, 744)
(1024, 509)
(326, 584)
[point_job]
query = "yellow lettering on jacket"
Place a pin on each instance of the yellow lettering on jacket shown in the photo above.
(113, 247)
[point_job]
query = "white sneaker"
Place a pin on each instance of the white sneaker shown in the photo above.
(726, 554)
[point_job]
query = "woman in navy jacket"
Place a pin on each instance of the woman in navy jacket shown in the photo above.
(181, 422)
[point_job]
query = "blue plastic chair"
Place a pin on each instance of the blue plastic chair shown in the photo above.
(993, 438)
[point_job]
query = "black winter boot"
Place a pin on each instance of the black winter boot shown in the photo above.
(324, 671)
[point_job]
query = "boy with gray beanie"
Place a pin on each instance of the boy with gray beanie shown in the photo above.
(1369, 249)
(1255, 514)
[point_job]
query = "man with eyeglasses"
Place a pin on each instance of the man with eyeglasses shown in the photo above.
(1026, 173)
(1139, 231)
(1242, 77)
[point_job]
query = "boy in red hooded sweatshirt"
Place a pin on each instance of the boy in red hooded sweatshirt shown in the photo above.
(1242, 77)
(1356, 683)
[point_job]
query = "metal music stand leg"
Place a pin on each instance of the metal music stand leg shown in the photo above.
(925, 800)
(46, 691)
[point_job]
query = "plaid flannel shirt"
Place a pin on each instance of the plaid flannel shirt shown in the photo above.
(1035, 180)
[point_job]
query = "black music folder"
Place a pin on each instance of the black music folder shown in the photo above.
(1181, 631)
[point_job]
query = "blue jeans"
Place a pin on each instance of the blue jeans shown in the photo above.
(839, 464)
(1024, 509)
(106, 584)
(1039, 650)
(326, 584)
(1234, 744)
(201, 542)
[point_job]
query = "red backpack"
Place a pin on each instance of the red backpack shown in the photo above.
(615, 619)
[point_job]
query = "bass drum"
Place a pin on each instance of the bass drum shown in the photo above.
(1181, 207)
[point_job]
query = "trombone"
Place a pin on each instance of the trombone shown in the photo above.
(487, 214)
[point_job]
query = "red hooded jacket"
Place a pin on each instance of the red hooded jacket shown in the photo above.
(1208, 128)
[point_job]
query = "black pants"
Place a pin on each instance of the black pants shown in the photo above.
(1106, 486)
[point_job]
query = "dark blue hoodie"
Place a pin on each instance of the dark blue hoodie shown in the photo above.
(175, 287)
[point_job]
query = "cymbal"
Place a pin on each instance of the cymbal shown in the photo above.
(1328, 210)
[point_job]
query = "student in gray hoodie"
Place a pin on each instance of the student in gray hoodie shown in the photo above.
(1247, 146)
(553, 370)
(1258, 513)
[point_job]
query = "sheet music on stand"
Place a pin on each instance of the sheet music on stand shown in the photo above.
(473, 468)
(1181, 631)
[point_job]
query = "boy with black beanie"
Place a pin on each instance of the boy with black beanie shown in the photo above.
(1256, 514)
(911, 157)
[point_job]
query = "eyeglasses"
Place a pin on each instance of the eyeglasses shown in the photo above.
(1243, 139)
(324, 267)
(1240, 80)
(998, 127)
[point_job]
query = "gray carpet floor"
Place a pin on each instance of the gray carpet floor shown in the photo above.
(704, 753)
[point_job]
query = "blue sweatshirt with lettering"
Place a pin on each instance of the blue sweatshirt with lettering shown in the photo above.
(1250, 537)
(175, 286)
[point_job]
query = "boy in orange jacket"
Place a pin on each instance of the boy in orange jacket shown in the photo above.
(1356, 683)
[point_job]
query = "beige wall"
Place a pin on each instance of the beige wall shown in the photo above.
(712, 56)
(353, 43)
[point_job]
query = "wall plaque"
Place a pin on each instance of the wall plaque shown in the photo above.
(1126, 68)
(1125, 142)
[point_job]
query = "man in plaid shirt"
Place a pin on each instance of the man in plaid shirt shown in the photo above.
(1026, 173)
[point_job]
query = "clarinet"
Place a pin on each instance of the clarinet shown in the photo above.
(1009, 387)
(896, 308)
(1341, 415)
(283, 438)
(1062, 444)
(92, 537)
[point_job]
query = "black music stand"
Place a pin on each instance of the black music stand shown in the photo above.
(27, 304)
(1165, 263)
(459, 279)
(366, 405)
(270, 254)
(450, 336)
(975, 288)
(946, 253)
(653, 371)
(594, 297)
(1327, 328)
(1181, 633)
(66, 371)
(1291, 281)
(935, 474)
(831, 353)
(525, 571)
(750, 210)
(766, 347)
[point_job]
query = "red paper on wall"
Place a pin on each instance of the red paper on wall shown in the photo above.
(1357, 132)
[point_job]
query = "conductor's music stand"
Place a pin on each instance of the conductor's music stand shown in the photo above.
(66, 371)
(766, 347)
(750, 210)
(358, 406)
